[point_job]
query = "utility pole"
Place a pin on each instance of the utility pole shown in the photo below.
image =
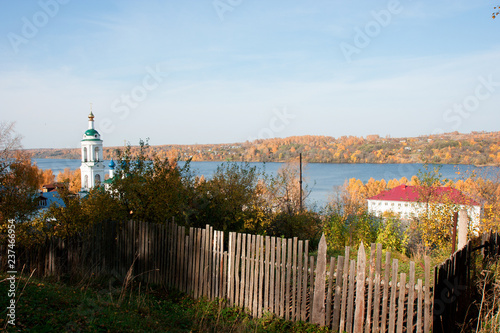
(300, 182)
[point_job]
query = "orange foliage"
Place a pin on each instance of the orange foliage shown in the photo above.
(71, 178)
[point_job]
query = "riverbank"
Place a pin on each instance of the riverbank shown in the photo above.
(476, 148)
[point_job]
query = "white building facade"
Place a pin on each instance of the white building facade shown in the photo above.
(405, 201)
(92, 168)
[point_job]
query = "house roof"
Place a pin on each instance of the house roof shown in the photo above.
(417, 194)
(52, 187)
(52, 198)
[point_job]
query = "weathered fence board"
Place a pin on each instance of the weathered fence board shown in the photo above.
(304, 282)
(345, 278)
(272, 274)
(359, 312)
(371, 273)
(338, 291)
(329, 300)
(318, 308)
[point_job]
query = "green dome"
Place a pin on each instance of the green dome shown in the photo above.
(91, 132)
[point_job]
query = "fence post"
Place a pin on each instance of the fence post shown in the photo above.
(360, 290)
(427, 297)
(318, 310)
(345, 283)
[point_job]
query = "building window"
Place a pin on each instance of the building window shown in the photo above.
(85, 154)
(97, 154)
(97, 179)
(86, 181)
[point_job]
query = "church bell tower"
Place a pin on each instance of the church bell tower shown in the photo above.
(92, 168)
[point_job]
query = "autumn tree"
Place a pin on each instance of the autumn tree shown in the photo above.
(46, 177)
(433, 223)
(19, 180)
(283, 192)
(72, 179)
(484, 189)
(392, 234)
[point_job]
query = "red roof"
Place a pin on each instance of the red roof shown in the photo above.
(417, 194)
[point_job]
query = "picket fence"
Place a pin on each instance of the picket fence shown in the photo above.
(262, 274)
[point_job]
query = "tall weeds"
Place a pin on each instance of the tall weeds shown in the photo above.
(489, 314)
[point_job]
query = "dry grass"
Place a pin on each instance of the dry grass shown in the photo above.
(489, 313)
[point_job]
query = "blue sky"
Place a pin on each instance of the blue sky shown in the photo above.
(184, 72)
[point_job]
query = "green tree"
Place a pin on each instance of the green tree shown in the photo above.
(78, 214)
(151, 188)
(230, 199)
(342, 228)
(391, 234)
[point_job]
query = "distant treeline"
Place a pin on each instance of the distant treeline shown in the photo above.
(478, 148)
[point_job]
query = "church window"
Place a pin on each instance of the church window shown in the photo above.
(86, 181)
(85, 154)
(97, 179)
(97, 153)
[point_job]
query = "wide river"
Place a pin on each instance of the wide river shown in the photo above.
(320, 178)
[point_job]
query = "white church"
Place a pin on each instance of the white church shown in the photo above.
(92, 168)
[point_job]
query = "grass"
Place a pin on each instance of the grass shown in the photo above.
(96, 306)
(489, 308)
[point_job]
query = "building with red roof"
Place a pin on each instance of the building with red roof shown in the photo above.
(408, 201)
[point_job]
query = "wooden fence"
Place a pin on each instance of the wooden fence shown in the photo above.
(454, 287)
(259, 273)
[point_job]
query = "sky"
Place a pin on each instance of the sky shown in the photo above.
(224, 71)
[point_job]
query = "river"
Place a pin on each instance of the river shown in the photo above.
(320, 178)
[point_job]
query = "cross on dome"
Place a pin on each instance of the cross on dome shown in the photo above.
(91, 115)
